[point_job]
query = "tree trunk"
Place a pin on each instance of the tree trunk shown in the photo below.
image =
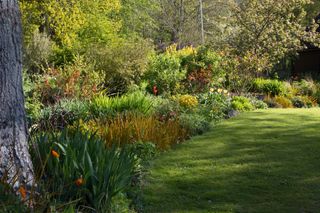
(15, 162)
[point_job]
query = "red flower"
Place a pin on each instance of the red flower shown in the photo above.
(79, 181)
(155, 90)
(55, 154)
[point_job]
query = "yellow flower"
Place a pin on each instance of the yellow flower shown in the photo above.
(55, 154)
(211, 89)
(220, 90)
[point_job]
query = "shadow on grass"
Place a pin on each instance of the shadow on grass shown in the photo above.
(265, 161)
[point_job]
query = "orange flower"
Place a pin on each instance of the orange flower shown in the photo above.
(55, 154)
(79, 181)
(23, 192)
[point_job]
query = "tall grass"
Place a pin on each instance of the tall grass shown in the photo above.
(133, 127)
(75, 167)
(108, 107)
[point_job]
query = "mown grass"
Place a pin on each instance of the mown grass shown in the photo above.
(262, 161)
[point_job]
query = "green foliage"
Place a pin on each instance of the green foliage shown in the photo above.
(108, 107)
(268, 86)
(145, 151)
(68, 111)
(317, 95)
(258, 104)
(303, 102)
(193, 69)
(101, 24)
(241, 103)
(241, 71)
(120, 64)
(71, 23)
(62, 114)
(167, 109)
(37, 52)
(305, 87)
(79, 168)
(138, 18)
(9, 201)
(32, 99)
(75, 80)
(121, 204)
(269, 29)
(203, 67)
(194, 123)
(214, 105)
(298, 102)
(165, 72)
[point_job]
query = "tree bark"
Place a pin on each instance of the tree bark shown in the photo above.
(15, 162)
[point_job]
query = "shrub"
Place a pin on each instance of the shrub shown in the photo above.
(37, 52)
(145, 151)
(188, 101)
(64, 113)
(76, 167)
(214, 105)
(310, 101)
(241, 103)
(298, 102)
(77, 80)
(194, 123)
(305, 87)
(289, 90)
(165, 73)
(304, 101)
(167, 109)
(268, 86)
(108, 107)
(271, 102)
(316, 96)
(283, 102)
(258, 104)
(198, 80)
(121, 64)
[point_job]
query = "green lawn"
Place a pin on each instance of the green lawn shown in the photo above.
(262, 161)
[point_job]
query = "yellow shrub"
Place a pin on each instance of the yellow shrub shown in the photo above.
(283, 101)
(186, 51)
(188, 101)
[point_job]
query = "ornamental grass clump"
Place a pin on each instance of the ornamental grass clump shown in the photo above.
(268, 86)
(130, 128)
(284, 102)
(109, 107)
